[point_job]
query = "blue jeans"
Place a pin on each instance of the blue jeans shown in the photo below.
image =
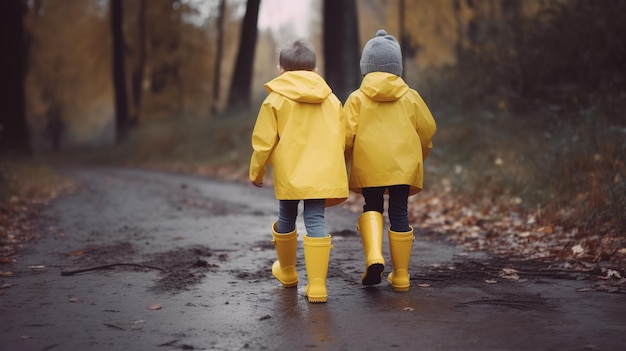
(398, 212)
(313, 217)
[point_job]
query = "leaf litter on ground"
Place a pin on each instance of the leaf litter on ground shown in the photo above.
(503, 230)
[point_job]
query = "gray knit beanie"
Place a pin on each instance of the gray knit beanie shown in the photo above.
(382, 54)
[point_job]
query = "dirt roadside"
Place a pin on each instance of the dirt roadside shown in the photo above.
(182, 262)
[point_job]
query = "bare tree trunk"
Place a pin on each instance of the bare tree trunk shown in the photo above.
(403, 35)
(240, 87)
(139, 72)
(341, 47)
(460, 32)
(217, 77)
(14, 133)
(119, 74)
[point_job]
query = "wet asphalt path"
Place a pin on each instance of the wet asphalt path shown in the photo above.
(218, 234)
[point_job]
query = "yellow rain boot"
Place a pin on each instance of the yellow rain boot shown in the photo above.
(284, 269)
(371, 229)
(400, 244)
(316, 257)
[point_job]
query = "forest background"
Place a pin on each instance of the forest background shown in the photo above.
(530, 156)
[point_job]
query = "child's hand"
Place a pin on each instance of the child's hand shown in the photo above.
(258, 184)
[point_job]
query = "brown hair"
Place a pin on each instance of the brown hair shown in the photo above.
(297, 56)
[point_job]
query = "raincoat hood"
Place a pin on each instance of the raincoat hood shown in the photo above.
(383, 87)
(301, 86)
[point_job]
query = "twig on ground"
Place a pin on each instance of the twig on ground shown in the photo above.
(66, 273)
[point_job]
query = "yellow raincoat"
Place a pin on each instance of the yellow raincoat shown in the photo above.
(389, 133)
(300, 132)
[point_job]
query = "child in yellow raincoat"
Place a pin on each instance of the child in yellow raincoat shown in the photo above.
(388, 136)
(300, 132)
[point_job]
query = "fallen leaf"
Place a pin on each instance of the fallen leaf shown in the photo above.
(6, 274)
(611, 273)
(577, 250)
(410, 309)
(546, 230)
(423, 285)
(37, 266)
(74, 299)
(75, 253)
(491, 281)
(156, 306)
(509, 273)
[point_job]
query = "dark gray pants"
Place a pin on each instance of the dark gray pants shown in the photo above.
(398, 212)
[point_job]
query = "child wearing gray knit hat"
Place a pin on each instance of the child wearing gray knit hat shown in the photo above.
(382, 54)
(389, 131)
